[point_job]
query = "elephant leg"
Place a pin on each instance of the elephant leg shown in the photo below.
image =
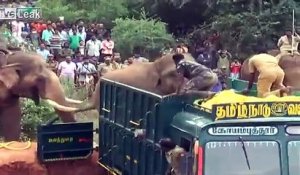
(10, 119)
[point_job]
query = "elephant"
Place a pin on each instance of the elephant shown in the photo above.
(290, 64)
(26, 75)
(158, 77)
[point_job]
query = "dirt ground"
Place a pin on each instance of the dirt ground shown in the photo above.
(25, 162)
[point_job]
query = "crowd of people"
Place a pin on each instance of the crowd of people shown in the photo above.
(81, 53)
(78, 52)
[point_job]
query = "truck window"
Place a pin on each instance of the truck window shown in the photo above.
(185, 144)
(230, 158)
(294, 157)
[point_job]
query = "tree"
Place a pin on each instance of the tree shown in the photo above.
(150, 35)
(243, 24)
(92, 10)
(107, 10)
(51, 10)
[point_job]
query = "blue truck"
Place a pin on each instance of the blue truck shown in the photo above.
(133, 121)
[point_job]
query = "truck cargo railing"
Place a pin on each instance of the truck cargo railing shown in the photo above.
(126, 111)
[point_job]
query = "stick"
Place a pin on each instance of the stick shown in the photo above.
(293, 32)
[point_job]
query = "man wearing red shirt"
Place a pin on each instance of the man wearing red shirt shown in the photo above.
(235, 69)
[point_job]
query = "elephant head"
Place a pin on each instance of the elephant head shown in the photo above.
(169, 79)
(26, 75)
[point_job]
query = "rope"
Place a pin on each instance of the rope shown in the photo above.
(7, 146)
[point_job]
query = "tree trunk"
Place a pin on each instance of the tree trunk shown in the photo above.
(260, 5)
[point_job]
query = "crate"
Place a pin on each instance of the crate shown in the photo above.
(64, 141)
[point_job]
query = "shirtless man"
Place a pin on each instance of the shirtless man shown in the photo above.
(285, 43)
(270, 75)
(201, 79)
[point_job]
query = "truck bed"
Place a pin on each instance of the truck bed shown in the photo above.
(125, 110)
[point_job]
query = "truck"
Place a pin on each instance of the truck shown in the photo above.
(260, 138)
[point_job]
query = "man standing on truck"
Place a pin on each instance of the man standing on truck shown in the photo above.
(270, 75)
(288, 43)
(201, 79)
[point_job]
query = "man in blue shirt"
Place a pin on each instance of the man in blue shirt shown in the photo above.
(43, 51)
(47, 34)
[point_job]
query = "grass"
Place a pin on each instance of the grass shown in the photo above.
(81, 94)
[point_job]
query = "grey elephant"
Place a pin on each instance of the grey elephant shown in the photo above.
(159, 77)
(26, 75)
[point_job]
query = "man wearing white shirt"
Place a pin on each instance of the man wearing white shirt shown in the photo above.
(17, 29)
(67, 70)
(85, 72)
(82, 34)
(93, 47)
(64, 35)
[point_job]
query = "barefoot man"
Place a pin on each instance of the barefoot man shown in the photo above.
(270, 75)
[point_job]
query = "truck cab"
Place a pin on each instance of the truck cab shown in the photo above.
(261, 138)
(262, 145)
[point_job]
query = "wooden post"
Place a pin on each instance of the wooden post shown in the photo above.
(293, 33)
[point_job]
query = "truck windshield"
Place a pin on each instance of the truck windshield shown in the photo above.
(294, 157)
(228, 158)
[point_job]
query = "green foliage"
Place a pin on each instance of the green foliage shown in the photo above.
(51, 10)
(33, 115)
(92, 10)
(150, 35)
(244, 24)
(107, 10)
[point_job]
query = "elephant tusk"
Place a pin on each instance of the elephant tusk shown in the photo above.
(61, 107)
(11, 65)
(91, 107)
(69, 100)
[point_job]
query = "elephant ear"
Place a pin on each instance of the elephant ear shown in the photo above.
(9, 76)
